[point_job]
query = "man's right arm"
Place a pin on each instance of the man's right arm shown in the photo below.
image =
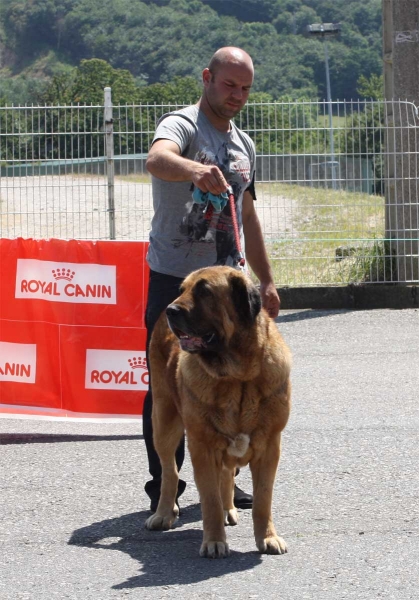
(165, 162)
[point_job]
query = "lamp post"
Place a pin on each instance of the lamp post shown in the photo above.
(325, 30)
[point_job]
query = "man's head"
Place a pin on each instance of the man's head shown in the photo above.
(227, 82)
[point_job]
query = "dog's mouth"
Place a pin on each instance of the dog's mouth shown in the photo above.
(194, 343)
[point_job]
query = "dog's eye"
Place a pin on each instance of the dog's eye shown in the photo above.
(202, 289)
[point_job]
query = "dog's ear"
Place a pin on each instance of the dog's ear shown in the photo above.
(246, 298)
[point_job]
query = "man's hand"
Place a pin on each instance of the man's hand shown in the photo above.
(270, 299)
(209, 178)
(257, 256)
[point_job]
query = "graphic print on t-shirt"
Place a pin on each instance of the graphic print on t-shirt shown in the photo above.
(201, 226)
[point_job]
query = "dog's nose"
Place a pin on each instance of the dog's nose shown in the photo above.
(173, 310)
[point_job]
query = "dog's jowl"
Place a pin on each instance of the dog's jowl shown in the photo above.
(220, 370)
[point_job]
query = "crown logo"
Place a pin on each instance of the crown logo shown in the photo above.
(138, 363)
(67, 274)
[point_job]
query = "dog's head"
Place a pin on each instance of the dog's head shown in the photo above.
(215, 303)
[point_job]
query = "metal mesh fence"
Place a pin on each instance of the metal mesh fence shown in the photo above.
(337, 182)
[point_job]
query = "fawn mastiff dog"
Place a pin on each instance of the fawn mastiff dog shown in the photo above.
(220, 370)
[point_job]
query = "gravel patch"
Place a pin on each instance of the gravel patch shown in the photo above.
(76, 207)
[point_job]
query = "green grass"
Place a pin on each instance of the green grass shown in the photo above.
(337, 238)
(323, 121)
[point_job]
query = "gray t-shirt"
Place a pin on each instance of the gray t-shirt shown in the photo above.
(182, 237)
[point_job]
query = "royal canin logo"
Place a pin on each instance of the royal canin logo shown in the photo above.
(138, 362)
(66, 274)
(116, 370)
(68, 282)
(17, 362)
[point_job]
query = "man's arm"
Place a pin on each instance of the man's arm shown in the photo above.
(257, 256)
(165, 162)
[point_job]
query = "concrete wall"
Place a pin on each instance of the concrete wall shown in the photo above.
(351, 173)
(123, 165)
(401, 82)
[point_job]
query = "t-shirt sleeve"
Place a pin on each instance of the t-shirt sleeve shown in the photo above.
(252, 154)
(251, 187)
(175, 128)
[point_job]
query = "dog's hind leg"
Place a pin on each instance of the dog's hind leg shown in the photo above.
(227, 496)
(168, 430)
(263, 469)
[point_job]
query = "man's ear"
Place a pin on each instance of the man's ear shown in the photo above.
(206, 76)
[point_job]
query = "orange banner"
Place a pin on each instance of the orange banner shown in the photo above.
(72, 334)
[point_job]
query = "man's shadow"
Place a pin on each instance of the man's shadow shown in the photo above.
(166, 558)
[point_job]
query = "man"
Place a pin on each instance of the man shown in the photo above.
(199, 150)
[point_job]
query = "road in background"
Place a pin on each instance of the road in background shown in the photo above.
(346, 500)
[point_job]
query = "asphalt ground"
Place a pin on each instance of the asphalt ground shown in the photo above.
(72, 505)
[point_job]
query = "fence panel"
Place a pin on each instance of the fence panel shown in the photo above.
(337, 204)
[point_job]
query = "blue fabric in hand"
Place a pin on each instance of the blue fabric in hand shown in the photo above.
(218, 202)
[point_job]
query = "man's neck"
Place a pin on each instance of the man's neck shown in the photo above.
(219, 123)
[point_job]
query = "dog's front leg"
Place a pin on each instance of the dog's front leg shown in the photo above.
(263, 468)
(207, 471)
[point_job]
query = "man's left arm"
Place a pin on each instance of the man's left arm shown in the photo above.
(257, 256)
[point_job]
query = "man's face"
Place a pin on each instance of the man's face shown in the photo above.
(227, 89)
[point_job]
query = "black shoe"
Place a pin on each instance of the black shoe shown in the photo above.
(152, 489)
(242, 499)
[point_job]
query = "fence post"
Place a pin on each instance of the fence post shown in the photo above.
(110, 166)
(401, 55)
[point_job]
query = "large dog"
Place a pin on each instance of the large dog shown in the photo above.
(220, 370)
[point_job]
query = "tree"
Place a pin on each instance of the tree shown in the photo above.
(280, 126)
(365, 135)
(182, 90)
(94, 75)
(156, 40)
(85, 85)
(372, 87)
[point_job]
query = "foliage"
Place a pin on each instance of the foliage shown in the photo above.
(365, 137)
(159, 40)
(21, 89)
(372, 88)
(374, 262)
(182, 90)
(280, 127)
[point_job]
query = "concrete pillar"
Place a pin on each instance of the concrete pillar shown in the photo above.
(401, 87)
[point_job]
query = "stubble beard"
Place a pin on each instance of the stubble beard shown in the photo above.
(221, 111)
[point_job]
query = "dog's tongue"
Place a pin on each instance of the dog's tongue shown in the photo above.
(190, 343)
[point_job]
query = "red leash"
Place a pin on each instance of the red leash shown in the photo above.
(241, 260)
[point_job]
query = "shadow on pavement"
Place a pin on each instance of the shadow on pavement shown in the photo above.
(166, 557)
(302, 315)
(52, 438)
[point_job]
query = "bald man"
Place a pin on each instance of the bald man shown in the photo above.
(199, 148)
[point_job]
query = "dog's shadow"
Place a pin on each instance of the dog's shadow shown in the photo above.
(166, 558)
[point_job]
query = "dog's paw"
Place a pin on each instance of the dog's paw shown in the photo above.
(214, 550)
(272, 545)
(161, 522)
(231, 517)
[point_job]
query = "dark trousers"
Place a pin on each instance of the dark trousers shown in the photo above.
(163, 289)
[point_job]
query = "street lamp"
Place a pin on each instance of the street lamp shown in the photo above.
(325, 30)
